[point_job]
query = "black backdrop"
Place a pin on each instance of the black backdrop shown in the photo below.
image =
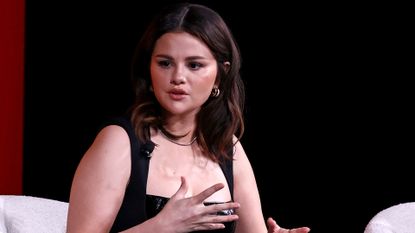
(328, 113)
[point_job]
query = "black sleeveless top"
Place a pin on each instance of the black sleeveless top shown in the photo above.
(137, 206)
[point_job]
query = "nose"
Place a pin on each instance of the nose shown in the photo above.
(178, 76)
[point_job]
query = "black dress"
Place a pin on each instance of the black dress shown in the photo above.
(137, 206)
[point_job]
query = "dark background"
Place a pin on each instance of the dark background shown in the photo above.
(329, 126)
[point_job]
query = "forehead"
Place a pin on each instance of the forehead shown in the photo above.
(181, 44)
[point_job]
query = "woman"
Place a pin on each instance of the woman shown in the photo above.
(175, 162)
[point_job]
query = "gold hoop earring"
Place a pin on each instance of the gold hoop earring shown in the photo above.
(215, 92)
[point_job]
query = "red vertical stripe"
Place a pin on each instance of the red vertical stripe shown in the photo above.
(11, 95)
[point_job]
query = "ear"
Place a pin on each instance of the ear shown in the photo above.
(227, 66)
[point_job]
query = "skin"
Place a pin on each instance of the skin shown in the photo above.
(181, 63)
(183, 73)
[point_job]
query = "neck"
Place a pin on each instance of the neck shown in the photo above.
(165, 134)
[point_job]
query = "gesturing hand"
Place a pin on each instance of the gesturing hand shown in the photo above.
(190, 214)
(274, 228)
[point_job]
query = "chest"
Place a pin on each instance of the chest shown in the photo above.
(168, 164)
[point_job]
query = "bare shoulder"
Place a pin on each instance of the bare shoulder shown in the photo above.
(103, 170)
(112, 142)
(114, 134)
(241, 162)
(239, 150)
(107, 161)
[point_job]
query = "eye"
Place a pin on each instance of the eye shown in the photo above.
(164, 63)
(195, 65)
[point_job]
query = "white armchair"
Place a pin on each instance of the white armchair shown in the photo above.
(395, 219)
(27, 214)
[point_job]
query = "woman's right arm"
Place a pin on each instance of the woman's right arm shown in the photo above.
(99, 183)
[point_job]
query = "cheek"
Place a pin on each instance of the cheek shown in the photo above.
(209, 77)
(204, 86)
(157, 78)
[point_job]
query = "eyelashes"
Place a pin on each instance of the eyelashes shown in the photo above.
(191, 65)
(164, 63)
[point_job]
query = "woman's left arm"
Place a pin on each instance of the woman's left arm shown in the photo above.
(246, 194)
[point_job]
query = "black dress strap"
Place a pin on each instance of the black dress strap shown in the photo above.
(132, 211)
(227, 168)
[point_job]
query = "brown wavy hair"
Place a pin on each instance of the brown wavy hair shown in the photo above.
(220, 118)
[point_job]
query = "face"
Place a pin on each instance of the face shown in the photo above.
(183, 72)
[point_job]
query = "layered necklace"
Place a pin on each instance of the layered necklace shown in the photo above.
(176, 142)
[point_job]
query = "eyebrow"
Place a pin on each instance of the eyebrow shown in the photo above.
(187, 58)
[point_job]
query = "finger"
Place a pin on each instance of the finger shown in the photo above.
(181, 192)
(300, 230)
(272, 224)
(222, 208)
(208, 192)
(219, 218)
(209, 226)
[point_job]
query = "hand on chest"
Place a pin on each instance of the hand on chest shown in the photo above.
(169, 163)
